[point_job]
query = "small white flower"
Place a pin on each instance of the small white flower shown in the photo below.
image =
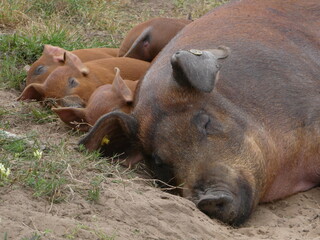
(2, 168)
(38, 154)
(4, 173)
(8, 172)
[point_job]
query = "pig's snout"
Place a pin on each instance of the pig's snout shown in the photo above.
(230, 203)
(218, 204)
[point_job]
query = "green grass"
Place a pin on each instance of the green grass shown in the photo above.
(5, 237)
(47, 172)
(35, 236)
(49, 169)
(31, 112)
(99, 234)
(94, 191)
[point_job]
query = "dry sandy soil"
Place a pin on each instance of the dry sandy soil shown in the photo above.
(135, 210)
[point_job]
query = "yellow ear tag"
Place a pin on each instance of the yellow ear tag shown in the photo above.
(105, 140)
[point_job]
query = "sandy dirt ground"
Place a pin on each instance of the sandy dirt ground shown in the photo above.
(135, 210)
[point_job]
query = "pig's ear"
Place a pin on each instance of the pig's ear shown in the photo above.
(114, 133)
(53, 51)
(121, 87)
(59, 59)
(74, 61)
(197, 69)
(71, 101)
(140, 46)
(33, 91)
(70, 115)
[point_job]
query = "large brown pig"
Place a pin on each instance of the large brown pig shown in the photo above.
(52, 57)
(147, 39)
(81, 79)
(109, 97)
(249, 134)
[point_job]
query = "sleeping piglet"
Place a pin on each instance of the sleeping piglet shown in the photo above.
(109, 97)
(52, 57)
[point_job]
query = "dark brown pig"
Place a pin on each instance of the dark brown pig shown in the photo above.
(81, 79)
(52, 57)
(110, 97)
(237, 136)
(147, 39)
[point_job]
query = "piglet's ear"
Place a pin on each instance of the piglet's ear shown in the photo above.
(59, 59)
(53, 51)
(74, 61)
(33, 91)
(139, 48)
(121, 87)
(74, 117)
(71, 101)
(114, 133)
(197, 69)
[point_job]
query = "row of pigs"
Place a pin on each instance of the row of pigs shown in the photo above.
(88, 83)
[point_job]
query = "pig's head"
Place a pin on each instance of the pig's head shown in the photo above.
(105, 99)
(191, 135)
(73, 78)
(51, 58)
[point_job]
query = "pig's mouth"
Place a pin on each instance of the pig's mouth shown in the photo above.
(233, 208)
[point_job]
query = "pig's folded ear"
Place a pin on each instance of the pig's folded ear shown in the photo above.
(74, 61)
(32, 91)
(71, 116)
(53, 51)
(59, 59)
(197, 69)
(140, 45)
(114, 133)
(120, 86)
(71, 101)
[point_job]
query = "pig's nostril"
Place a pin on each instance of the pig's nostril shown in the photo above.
(213, 204)
(220, 205)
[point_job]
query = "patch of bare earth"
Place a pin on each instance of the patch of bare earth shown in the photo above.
(132, 209)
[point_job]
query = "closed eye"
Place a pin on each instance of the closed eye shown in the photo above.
(72, 82)
(157, 160)
(40, 70)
